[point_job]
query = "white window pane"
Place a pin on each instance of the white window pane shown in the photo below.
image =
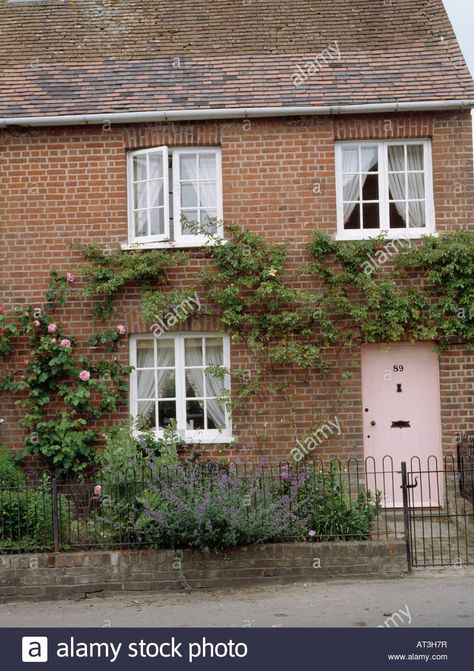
(195, 383)
(209, 220)
(166, 384)
(145, 356)
(207, 166)
(189, 194)
(194, 415)
(191, 216)
(139, 167)
(215, 414)
(147, 413)
(415, 156)
(396, 158)
(146, 384)
(416, 185)
(369, 159)
(165, 349)
(193, 352)
(398, 214)
(370, 216)
(416, 215)
(351, 184)
(396, 185)
(155, 166)
(157, 222)
(188, 167)
(139, 194)
(350, 159)
(214, 386)
(156, 193)
(351, 216)
(141, 223)
(214, 351)
(208, 193)
(166, 413)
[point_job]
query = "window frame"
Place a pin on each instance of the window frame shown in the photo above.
(189, 435)
(144, 239)
(384, 205)
(189, 240)
(178, 239)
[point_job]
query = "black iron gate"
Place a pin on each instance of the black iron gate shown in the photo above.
(438, 507)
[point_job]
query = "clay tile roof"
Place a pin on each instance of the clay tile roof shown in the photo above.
(105, 56)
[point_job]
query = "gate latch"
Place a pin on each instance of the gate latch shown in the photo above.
(400, 424)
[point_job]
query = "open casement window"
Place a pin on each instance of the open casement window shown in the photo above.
(171, 383)
(172, 193)
(148, 198)
(384, 186)
(197, 194)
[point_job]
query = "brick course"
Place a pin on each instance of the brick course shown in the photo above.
(62, 576)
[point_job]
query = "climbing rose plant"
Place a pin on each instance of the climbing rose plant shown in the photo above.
(62, 394)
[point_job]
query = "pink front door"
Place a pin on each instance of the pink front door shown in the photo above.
(401, 419)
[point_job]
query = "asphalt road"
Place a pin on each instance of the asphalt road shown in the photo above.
(425, 599)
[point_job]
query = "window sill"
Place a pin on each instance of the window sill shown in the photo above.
(400, 234)
(202, 440)
(126, 246)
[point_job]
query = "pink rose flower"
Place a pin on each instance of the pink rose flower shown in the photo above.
(36, 323)
(26, 362)
(65, 343)
(311, 533)
(98, 490)
(70, 278)
(85, 375)
(121, 329)
(54, 340)
(52, 328)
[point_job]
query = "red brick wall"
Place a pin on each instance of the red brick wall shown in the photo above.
(63, 185)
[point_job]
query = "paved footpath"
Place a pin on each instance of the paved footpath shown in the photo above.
(427, 598)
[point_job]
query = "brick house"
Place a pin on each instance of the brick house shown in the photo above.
(352, 118)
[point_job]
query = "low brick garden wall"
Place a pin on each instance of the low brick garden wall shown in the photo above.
(75, 574)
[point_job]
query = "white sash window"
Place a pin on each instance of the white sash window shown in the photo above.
(172, 383)
(384, 186)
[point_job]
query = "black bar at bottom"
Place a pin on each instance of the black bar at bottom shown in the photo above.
(145, 648)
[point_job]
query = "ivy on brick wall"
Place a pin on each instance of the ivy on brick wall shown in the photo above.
(365, 291)
(107, 273)
(362, 291)
(403, 289)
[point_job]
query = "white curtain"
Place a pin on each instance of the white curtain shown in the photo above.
(214, 388)
(146, 380)
(416, 189)
(416, 184)
(350, 159)
(396, 162)
(196, 377)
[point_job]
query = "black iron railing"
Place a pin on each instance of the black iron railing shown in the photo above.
(202, 505)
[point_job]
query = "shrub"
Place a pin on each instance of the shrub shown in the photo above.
(26, 515)
(10, 473)
(192, 507)
(130, 458)
(326, 509)
(131, 452)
